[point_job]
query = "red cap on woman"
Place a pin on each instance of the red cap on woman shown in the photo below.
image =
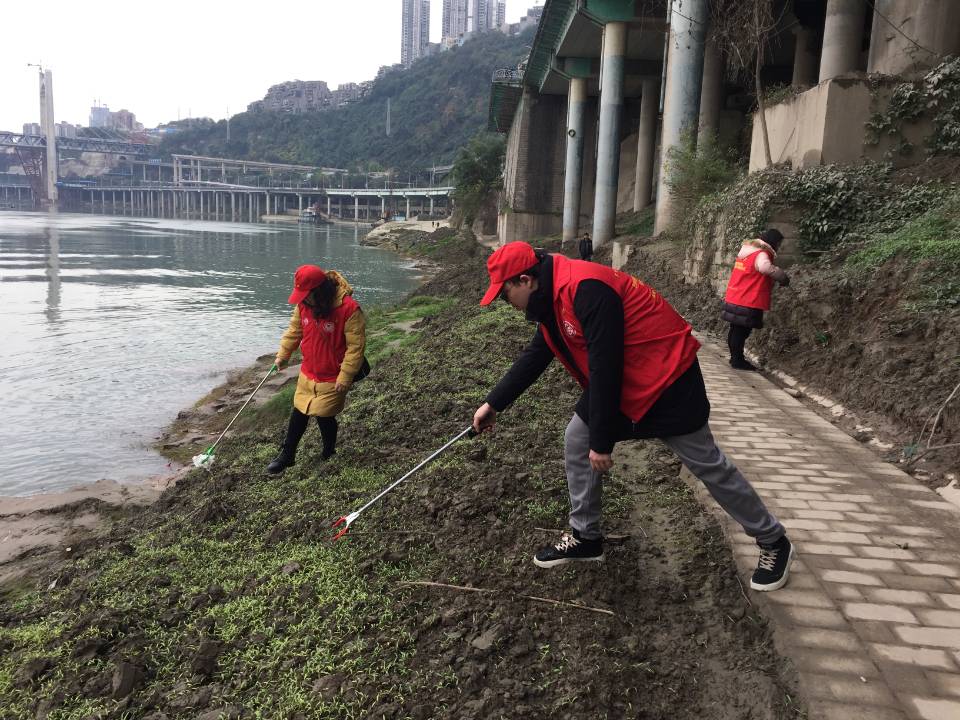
(305, 279)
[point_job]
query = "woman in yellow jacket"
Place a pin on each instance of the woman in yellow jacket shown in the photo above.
(329, 327)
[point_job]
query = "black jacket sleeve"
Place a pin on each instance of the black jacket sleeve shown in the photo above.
(523, 373)
(600, 312)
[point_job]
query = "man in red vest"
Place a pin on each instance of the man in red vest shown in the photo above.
(636, 360)
(748, 292)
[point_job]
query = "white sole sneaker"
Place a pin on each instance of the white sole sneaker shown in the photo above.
(564, 561)
(783, 579)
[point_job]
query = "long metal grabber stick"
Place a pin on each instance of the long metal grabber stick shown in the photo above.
(346, 520)
(204, 458)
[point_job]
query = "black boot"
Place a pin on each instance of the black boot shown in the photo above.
(281, 462)
(736, 339)
(288, 452)
(328, 432)
(743, 364)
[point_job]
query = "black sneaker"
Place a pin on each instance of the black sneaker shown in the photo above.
(570, 548)
(773, 569)
(281, 462)
(743, 365)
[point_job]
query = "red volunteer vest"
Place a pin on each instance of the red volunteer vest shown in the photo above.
(748, 286)
(323, 344)
(658, 345)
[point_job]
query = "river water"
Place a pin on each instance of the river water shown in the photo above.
(110, 325)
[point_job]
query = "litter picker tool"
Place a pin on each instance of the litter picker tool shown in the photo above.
(346, 520)
(206, 458)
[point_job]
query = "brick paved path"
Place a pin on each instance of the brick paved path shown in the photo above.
(871, 615)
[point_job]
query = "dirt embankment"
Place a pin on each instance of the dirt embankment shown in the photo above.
(859, 338)
(227, 599)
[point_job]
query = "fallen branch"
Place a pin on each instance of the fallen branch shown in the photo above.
(427, 583)
(567, 604)
(391, 532)
(742, 592)
(914, 459)
(939, 413)
(464, 588)
(616, 538)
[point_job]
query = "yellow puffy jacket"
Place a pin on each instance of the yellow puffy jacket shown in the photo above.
(321, 398)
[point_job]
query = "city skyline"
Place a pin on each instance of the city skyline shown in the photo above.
(221, 60)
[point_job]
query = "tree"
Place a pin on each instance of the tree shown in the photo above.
(478, 174)
(741, 29)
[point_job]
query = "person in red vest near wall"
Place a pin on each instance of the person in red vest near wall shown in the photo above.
(748, 292)
(636, 360)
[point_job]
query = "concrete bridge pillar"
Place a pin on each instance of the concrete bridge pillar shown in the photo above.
(927, 32)
(681, 104)
(711, 93)
(573, 171)
(608, 138)
(842, 37)
(646, 143)
(804, 59)
(408, 207)
(356, 208)
(328, 206)
(431, 204)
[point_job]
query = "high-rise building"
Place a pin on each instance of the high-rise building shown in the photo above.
(99, 116)
(455, 14)
(415, 34)
(487, 14)
(470, 16)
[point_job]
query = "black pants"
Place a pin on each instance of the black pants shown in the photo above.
(298, 426)
(736, 339)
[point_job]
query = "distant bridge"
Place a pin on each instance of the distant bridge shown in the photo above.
(237, 202)
(82, 144)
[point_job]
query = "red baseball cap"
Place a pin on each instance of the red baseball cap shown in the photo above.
(506, 262)
(305, 279)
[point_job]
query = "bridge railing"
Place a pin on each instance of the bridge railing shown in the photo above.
(14, 180)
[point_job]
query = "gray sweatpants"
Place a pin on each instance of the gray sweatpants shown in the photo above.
(698, 451)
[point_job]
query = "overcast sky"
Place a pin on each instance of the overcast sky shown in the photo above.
(196, 57)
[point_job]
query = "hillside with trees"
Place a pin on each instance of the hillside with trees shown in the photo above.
(437, 105)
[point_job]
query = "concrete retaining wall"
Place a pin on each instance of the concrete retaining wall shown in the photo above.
(826, 125)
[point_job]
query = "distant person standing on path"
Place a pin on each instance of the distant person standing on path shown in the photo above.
(329, 328)
(748, 292)
(636, 360)
(586, 247)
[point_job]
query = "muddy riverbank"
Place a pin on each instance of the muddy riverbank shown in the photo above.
(226, 597)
